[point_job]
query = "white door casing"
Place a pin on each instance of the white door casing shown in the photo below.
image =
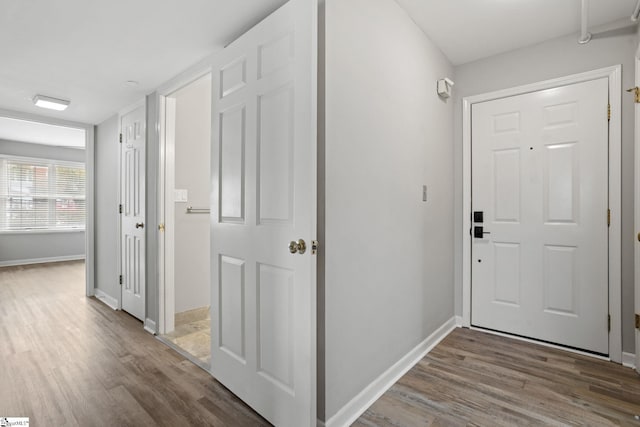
(132, 197)
(637, 215)
(540, 176)
(264, 196)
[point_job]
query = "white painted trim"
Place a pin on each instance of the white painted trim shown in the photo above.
(106, 299)
(320, 423)
(629, 360)
(162, 236)
(349, 413)
(90, 184)
(150, 326)
(90, 207)
(170, 214)
(614, 74)
(459, 321)
(636, 245)
(12, 263)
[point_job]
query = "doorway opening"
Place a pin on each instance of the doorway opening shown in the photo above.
(187, 139)
(46, 194)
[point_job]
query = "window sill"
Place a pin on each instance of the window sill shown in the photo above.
(43, 231)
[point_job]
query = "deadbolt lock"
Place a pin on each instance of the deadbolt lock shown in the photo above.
(298, 247)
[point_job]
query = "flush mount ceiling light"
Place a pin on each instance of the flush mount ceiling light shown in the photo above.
(50, 103)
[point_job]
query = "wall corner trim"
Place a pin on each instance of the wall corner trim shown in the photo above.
(150, 326)
(629, 360)
(359, 404)
(106, 299)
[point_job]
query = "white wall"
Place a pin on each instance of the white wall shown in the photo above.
(559, 57)
(107, 178)
(192, 172)
(388, 279)
(37, 246)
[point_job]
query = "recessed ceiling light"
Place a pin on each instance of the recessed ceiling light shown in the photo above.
(50, 103)
(131, 83)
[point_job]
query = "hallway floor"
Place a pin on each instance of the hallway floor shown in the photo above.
(480, 379)
(70, 360)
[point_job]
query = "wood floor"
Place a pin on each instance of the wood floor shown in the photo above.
(475, 379)
(67, 360)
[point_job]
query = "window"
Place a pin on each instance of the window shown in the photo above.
(39, 194)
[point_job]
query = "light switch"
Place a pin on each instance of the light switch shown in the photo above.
(180, 195)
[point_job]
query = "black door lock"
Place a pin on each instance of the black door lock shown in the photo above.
(478, 232)
(478, 216)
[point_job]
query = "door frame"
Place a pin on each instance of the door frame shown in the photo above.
(89, 135)
(166, 206)
(122, 113)
(636, 143)
(614, 75)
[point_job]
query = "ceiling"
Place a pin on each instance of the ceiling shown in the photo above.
(467, 30)
(87, 51)
(41, 133)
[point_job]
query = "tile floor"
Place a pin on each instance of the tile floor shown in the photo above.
(192, 333)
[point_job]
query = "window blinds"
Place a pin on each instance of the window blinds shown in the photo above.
(41, 194)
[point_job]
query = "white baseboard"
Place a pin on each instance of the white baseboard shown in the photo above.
(107, 299)
(41, 260)
(150, 326)
(629, 360)
(359, 404)
(459, 321)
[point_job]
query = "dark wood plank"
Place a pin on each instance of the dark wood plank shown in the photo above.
(475, 378)
(70, 360)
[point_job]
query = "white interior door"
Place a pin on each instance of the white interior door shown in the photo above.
(264, 196)
(540, 179)
(132, 195)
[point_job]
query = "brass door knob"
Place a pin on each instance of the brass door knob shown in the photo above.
(297, 247)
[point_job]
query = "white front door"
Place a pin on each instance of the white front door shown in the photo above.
(539, 202)
(132, 196)
(264, 196)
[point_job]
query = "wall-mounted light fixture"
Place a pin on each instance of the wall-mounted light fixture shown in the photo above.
(444, 87)
(50, 103)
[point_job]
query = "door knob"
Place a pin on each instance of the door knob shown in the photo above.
(297, 247)
(139, 224)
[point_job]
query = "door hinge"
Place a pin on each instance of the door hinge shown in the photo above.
(608, 217)
(637, 321)
(609, 322)
(608, 112)
(121, 279)
(121, 138)
(119, 208)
